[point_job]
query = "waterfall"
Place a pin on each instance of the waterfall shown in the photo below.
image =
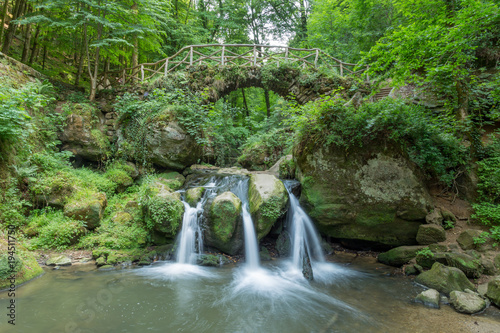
(304, 236)
(251, 245)
(190, 235)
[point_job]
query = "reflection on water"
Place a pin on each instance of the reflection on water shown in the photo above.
(170, 297)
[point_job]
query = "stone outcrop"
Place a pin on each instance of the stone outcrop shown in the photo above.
(372, 194)
(267, 199)
(224, 225)
(88, 207)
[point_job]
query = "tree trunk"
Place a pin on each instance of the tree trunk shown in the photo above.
(247, 112)
(44, 56)
(79, 71)
(303, 21)
(268, 103)
(27, 44)
(4, 18)
(34, 49)
(18, 8)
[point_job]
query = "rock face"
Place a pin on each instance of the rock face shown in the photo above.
(430, 234)
(224, 226)
(371, 194)
(267, 198)
(493, 292)
(169, 146)
(467, 302)
(83, 133)
(444, 279)
(429, 298)
(399, 255)
(89, 209)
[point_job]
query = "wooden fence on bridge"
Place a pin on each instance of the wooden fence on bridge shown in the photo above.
(243, 55)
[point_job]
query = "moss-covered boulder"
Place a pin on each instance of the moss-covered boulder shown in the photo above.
(120, 177)
(83, 132)
(169, 145)
(212, 260)
(53, 189)
(444, 279)
(399, 255)
(173, 180)
(467, 302)
(470, 265)
(427, 259)
(87, 206)
(372, 194)
(193, 195)
(493, 292)
(267, 199)
(21, 265)
(163, 209)
(430, 233)
(224, 225)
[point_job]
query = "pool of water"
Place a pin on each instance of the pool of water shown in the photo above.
(170, 297)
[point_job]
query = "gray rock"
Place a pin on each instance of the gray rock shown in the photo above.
(444, 279)
(434, 217)
(283, 244)
(58, 260)
(429, 298)
(467, 264)
(467, 302)
(466, 239)
(493, 292)
(430, 233)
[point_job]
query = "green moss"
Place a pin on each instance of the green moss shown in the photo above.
(120, 177)
(193, 195)
(173, 180)
(164, 213)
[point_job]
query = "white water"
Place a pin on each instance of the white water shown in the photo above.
(190, 235)
(251, 246)
(304, 236)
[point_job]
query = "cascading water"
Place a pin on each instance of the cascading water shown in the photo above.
(304, 237)
(251, 246)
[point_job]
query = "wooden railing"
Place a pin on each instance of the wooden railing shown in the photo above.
(243, 55)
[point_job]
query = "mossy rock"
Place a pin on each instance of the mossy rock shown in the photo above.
(121, 178)
(426, 261)
(444, 279)
(22, 265)
(466, 239)
(493, 292)
(224, 225)
(267, 199)
(58, 260)
(88, 207)
(173, 180)
(122, 218)
(430, 233)
(54, 189)
(372, 194)
(163, 209)
(193, 195)
(284, 244)
(469, 265)
(429, 298)
(399, 255)
(264, 254)
(212, 260)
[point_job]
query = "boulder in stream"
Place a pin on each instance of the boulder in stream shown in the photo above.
(429, 298)
(467, 302)
(444, 279)
(493, 292)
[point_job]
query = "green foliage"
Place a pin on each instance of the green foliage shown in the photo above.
(287, 169)
(12, 206)
(7, 268)
(425, 252)
(487, 207)
(55, 231)
(429, 139)
(264, 149)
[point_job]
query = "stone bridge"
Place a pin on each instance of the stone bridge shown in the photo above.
(217, 70)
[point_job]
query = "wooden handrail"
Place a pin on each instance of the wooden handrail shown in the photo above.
(256, 55)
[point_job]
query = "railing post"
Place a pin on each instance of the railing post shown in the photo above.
(222, 55)
(166, 67)
(254, 56)
(316, 59)
(142, 73)
(341, 69)
(191, 56)
(123, 77)
(286, 54)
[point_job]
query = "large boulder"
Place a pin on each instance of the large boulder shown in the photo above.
(430, 234)
(87, 206)
(169, 145)
(444, 279)
(372, 194)
(399, 255)
(267, 197)
(467, 302)
(493, 292)
(163, 209)
(466, 239)
(429, 298)
(83, 132)
(224, 225)
(469, 265)
(19, 268)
